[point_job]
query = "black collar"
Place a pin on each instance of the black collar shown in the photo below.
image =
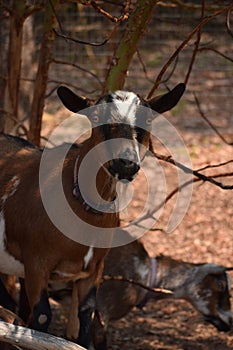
(101, 208)
(148, 295)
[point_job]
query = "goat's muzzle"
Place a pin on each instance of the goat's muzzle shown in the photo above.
(123, 169)
(221, 325)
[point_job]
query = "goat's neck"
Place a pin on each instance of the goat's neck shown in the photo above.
(96, 183)
(174, 275)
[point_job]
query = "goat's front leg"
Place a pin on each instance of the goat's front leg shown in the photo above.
(36, 284)
(73, 325)
(99, 332)
(86, 314)
(6, 299)
(82, 311)
(79, 327)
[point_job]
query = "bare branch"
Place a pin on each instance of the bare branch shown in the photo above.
(215, 165)
(216, 51)
(143, 66)
(187, 170)
(78, 67)
(150, 214)
(31, 339)
(114, 19)
(182, 45)
(61, 82)
(209, 123)
(196, 45)
(78, 41)
(131, 281)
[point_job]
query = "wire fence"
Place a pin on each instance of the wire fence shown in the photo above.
(211, 78)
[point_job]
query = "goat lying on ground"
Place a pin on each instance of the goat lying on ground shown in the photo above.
(31, 246)
(205, 286)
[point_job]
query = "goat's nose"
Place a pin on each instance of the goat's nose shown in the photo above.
(124, 168)
(130, 165)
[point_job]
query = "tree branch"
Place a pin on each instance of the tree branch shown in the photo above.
(131, 281)
(114, 19)
(216, 51)
(209, 123)
(78, 41)
(31, 339)
(78, 67)
(196, 45)
(182, 45)
(150, 214)
(187, 170)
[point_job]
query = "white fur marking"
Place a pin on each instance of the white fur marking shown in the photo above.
(228, 282)
(88, 257)
(8, 264)
(141, 269)
(126, 104)
(42, 319)
(13, 183)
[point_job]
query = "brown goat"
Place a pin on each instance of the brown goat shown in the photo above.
(31, 246)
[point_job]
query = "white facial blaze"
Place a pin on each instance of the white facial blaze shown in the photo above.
(126, 104)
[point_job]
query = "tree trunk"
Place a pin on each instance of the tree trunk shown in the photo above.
(42, 73)
(11, 99)
(4, 43)
(127, 46)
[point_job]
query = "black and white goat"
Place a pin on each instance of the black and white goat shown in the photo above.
(205, 286)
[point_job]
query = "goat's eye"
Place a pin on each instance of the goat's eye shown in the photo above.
(220, 285)
(149, 121)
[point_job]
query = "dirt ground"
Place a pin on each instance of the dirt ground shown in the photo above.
(204, 235)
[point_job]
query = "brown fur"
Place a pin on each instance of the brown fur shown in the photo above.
(30, 236)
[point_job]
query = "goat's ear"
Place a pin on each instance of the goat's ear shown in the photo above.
(212, 269)
(72, 101)
(164, 103)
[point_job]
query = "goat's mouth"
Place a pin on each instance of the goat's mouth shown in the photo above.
(123, 169)
(218, 323)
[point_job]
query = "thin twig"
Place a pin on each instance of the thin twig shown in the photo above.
(78, 67)
(196, 45)
(182, 45)
(216, 51)
(187, 170)
(78, 41)
(114, 19)
(215, 165)
(131, 281)
(143, 66)
(62, 82)
(150, 214)
(209, 123)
